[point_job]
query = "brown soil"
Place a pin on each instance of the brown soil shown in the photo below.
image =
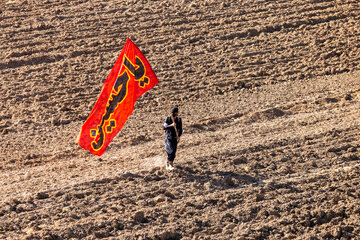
(269, 94)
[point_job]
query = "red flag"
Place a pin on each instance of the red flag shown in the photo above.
(130, 77)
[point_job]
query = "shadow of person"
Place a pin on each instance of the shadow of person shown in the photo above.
(219, 179)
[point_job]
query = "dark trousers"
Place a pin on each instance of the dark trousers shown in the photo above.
(171, 147)
(171, 156)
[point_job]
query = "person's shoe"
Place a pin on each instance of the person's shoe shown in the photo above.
(168, 166)
(171, 167)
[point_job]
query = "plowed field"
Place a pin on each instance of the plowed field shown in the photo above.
(268, 92)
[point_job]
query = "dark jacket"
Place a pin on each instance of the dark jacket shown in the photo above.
(170, 134)
(170, 131)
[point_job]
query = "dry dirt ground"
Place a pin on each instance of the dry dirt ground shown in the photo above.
(269, 94)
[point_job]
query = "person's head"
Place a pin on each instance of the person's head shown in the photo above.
(174, 112)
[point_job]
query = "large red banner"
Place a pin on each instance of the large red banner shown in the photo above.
(130, 77)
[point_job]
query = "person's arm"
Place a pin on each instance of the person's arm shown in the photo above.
(179, 128)
(167, 123)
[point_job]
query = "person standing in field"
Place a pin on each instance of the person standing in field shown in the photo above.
(173, 132)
